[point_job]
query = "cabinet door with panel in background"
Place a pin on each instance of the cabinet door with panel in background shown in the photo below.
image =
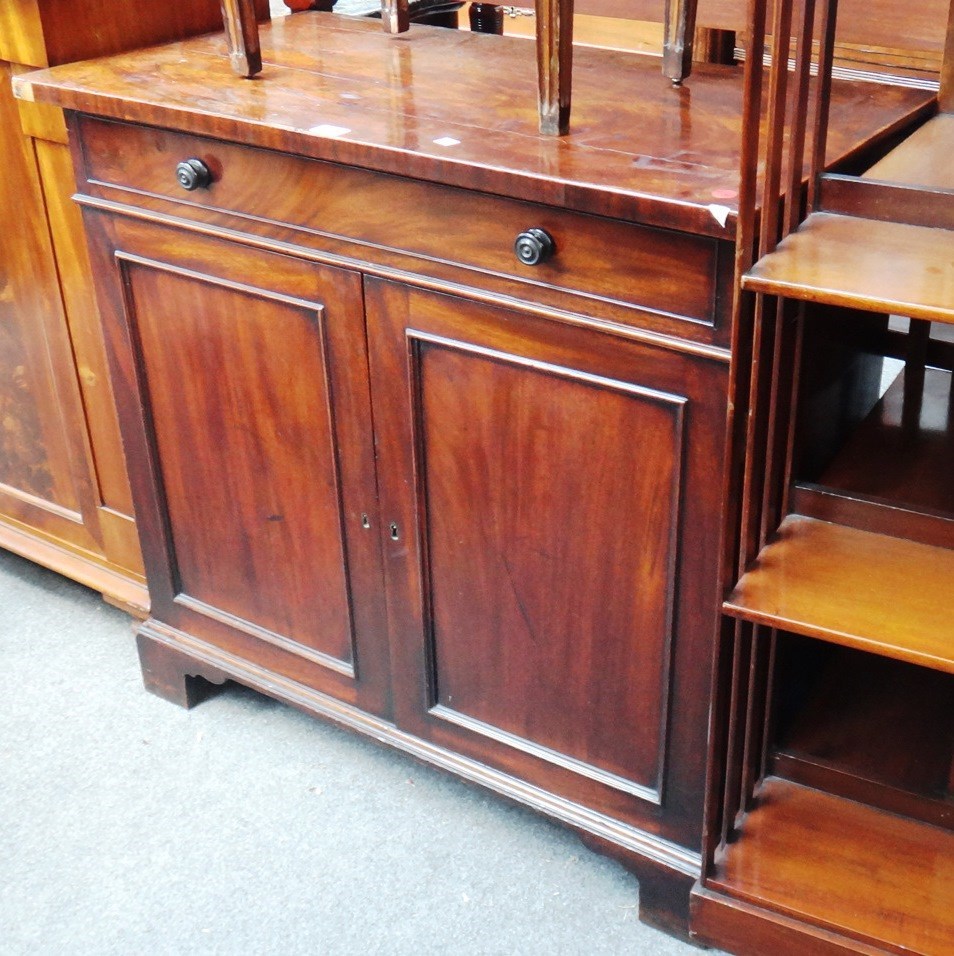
(553, 499)
(242, 382)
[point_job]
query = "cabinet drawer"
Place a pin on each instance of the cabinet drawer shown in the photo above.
(598, 259)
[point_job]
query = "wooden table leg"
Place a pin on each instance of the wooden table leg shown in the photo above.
(680, 28)
(394, 15)
(554, 64)
(241, 32)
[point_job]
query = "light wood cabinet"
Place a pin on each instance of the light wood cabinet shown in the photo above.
(64, 494)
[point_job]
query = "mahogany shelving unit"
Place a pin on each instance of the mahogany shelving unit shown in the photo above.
(831, 787)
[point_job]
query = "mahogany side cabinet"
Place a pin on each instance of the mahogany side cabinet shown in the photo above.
(425, 412)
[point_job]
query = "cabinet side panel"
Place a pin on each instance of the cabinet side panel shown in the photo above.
(550, 553)
(37, 386)
(72, 261)
(21, 33)
(238, 401)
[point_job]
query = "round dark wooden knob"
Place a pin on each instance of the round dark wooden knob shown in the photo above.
(534, 246)
(193, 174)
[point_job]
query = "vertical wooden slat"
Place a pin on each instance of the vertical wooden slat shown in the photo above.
(241, 34)
(796, 361)
(725, 775)
(749, 154)
(781, 412)
(713, 809)
(395, 16)
(735, 744)
(768, 710)
(764, 417)
(746, 378)
(945, 97)
(554, 64)
(759, 428)
(756, 740)
(776, 124)
(796, 149)
(679, 28)
(826, 56)
(730, 770)
(915, 359)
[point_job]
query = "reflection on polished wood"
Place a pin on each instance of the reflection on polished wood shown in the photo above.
(887, 267)
(665, 157)
(868, 874)
(846, 586)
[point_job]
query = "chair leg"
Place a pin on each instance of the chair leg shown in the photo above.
(678, 38)
(554, 64)
(241, 33)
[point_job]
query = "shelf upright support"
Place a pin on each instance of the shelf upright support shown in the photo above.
(241, 33)
(554, 64)
(678, 37)
(946, 94)
(395, 16)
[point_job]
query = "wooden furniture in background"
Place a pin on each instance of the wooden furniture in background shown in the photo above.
(425, 411)
(64, 496)
(874, 36)
(831, 799)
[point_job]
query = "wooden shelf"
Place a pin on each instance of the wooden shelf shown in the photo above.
(867, 264)
(874, 730)
(843, 866)
(903, 452)
(876, 593)
(923, 159)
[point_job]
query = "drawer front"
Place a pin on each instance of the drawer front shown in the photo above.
(603, 260)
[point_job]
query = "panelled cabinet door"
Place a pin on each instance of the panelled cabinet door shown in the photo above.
(551, 581)
(243, 385)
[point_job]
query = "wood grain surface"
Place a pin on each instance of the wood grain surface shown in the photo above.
(886, 267)
(923, 158)
(842, 866)
(340, 89)
(853, 588)
(551, 586)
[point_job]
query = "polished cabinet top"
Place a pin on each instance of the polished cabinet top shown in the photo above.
(460, 108)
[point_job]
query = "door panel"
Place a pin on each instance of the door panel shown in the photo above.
(552, 585)
(513, 645)
(248, 464)
(242, 380)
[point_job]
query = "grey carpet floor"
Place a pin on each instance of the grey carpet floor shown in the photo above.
(129, 825)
